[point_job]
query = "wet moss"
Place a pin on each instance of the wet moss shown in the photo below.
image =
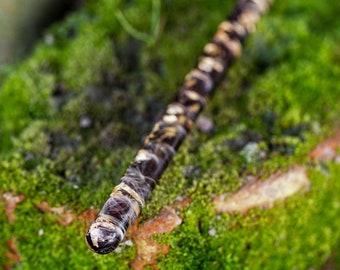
(73, 114)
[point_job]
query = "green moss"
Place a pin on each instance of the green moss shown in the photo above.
(73, 114)
(243, 242)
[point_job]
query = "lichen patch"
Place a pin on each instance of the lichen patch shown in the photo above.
(264, 193)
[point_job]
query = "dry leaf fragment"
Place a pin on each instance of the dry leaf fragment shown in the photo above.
(148, 250)
(264, 193)
(88, 215)
(326, 150)
(12, 255)
(11, 202)
(66, 217)
(181, 203)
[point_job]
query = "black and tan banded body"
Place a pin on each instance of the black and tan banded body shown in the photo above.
(128, 198)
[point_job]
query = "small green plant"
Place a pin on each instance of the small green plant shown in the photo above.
(151, 37)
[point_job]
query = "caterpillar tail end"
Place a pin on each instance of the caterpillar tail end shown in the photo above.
(103, 237)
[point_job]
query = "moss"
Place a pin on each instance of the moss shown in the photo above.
(242, 242)
(73, 114)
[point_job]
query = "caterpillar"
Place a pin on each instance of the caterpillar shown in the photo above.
(128, 198)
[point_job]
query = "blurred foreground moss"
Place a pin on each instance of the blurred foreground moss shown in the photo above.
(73, 113)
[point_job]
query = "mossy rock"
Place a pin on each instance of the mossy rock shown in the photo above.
(73, 114)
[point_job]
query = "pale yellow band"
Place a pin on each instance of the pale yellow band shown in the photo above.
(130, 191)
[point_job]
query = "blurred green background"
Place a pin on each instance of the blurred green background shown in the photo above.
(22, 22)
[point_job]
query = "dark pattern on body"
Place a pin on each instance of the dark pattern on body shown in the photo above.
(128, 198)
